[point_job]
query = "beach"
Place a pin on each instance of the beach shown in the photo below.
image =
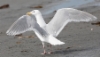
(82, 39)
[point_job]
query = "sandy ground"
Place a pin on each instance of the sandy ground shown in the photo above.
(78, 36)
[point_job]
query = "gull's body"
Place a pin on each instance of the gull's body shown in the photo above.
(48, 32)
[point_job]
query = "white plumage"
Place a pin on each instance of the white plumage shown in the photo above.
(48, 32)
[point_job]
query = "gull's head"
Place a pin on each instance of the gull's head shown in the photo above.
(34, 12)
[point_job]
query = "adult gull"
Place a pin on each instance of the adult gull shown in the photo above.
(48, 32)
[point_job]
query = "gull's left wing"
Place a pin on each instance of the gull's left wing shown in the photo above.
(23, 24)
(64, 16)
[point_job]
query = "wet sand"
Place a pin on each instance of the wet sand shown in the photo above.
(82, 42)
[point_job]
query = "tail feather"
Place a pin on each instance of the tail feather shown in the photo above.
(54, 41)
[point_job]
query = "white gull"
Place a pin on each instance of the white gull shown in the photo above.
(48, 32)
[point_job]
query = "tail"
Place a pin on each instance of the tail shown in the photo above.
(53, 41)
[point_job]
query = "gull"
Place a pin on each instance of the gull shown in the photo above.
(33, 21)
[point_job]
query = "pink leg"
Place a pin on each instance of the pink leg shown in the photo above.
(50, 52)
(44, 49)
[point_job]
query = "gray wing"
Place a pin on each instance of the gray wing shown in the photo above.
(22, 25)
(64, 16)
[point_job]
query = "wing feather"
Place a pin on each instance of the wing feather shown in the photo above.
(22, 25)
(64, 16)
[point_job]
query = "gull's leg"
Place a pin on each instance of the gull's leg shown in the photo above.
(50, 52)
(44, 52)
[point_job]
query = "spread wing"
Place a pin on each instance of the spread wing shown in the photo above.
(66, 15)
(22, 25)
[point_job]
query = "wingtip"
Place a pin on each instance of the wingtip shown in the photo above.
(95, 18)
(7, 32)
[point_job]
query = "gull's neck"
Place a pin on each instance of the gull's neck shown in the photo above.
(40, 20)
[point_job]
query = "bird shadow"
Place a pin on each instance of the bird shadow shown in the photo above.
(67, 51)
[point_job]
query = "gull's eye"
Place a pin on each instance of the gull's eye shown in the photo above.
(33, 12)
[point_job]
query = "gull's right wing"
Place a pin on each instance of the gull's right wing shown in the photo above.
(23, 24)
